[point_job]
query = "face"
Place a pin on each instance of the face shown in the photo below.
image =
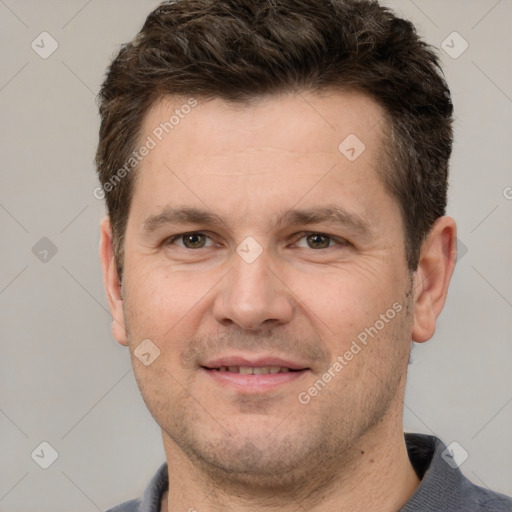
(268, 267)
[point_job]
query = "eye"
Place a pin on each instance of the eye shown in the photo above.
(319, 241)
(189, 240)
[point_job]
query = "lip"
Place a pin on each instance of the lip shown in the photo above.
(250, 384)
(254, 362)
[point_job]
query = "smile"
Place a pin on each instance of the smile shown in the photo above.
(253, 378)
(253, 370)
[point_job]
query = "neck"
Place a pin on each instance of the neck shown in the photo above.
(375, 475)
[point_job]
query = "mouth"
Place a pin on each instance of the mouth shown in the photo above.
(253, 370)
(253, 376)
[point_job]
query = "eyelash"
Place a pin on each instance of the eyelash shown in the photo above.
(337, 240)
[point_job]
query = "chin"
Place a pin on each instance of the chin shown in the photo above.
(260, 463)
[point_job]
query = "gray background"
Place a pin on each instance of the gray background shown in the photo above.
(64, 380)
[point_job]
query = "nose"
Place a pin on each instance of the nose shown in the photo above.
(253, 296)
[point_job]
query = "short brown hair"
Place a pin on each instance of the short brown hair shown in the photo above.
(239, 50)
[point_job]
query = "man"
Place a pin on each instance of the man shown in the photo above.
(275, 174)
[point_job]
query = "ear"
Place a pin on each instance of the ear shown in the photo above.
(112, 283)
(432, 278)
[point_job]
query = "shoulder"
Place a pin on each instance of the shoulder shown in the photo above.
(152, 497)
(127, 506)
(443, 486)
(485, 500)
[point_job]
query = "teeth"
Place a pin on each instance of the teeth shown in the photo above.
(249, 370)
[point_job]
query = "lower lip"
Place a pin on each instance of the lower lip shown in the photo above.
(254, 383)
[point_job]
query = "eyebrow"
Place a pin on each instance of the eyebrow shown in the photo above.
(190, 215)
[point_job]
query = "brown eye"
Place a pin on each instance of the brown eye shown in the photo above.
(193, 240)
(318, 241)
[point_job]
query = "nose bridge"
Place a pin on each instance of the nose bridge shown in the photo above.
(252, 294)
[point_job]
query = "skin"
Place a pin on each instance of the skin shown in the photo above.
(304, 298)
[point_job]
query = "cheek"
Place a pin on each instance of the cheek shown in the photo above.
(154, 303)
(167, 306)
(342, 303)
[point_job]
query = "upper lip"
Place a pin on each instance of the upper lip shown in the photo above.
(254, 362)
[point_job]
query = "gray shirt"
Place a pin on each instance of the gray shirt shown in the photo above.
(443, 488)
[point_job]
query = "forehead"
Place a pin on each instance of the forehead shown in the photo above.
(248, 157)
(303, 120)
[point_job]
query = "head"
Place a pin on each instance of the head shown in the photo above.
(307, 162)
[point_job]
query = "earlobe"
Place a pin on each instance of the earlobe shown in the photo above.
(432, 278)
(112, 283)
